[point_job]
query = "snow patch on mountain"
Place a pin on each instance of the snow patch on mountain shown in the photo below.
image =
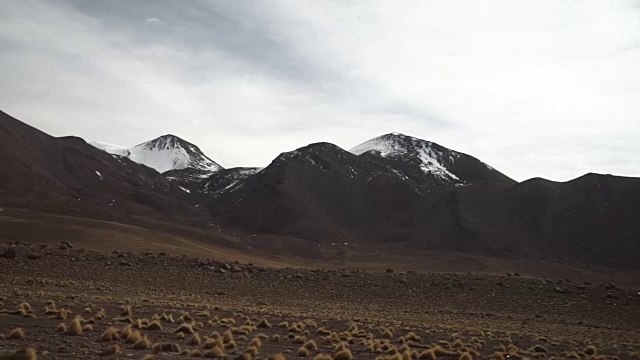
(396, 145)
(165, 153)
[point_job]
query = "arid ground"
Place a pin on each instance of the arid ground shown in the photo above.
(73, 303)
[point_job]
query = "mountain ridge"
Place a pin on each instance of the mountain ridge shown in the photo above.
(398, 201)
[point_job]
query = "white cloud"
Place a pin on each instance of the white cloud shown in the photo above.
(534, 88)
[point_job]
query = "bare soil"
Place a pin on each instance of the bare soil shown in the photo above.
(492, 315)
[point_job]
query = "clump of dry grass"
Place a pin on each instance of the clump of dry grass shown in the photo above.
(213, 343)
(165, 347)
(323, 357)
(465, 356)
(214, 353)
(184, 317)
(62, 327)
(303, 352)
(17, 334)
(323, 331)
(276, 357)
(186, 329)
(133, 337)
(256, 342)
(227, 337)
(591, 350)
(264, 324)
(310, 345)
(24, 354)
(110, 350)
(195, 339)
(87, 328)
(154, 325)
(344, 354)
(100, 315)
(194, 353)
(111, 334)
(252, 350)
(142, 344)
(126, 311)
(74, 328)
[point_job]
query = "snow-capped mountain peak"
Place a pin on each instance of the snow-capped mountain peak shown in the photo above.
(165, 153)
(416, 157)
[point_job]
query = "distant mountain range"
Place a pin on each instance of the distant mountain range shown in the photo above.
(395, 191)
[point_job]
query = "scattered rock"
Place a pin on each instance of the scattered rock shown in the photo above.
(9, 254)
(125, 263)
(561, 290)
(67, 244)
(34, 256)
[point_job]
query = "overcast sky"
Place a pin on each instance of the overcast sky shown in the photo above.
(534, 88)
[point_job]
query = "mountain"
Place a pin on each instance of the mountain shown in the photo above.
(428, 162)
(167, 153)
(394, 194)
(324, 194)
(319, 192)
(44, 172)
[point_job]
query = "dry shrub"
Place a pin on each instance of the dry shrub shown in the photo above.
(165, 347)
(17, 334)
(264, 324)
(133, 337)
(110, 350)
(195, 340)
(252, 350)
(185, 329)
(303, 352)
(256, 342)
(214, 353)
(194, 353)
(427, 354)
(441, 352)
(154, 325)
(465, 356)
(310, 345)
(142, 344)
(111, 334)
(213, 343)
(24, 354)
(343, 355)
(227, 337)
(62, 327)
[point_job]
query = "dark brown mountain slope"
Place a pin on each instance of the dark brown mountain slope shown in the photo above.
(41, 171)
(324, 193)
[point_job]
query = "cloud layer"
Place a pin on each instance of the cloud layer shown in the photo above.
(537, 88)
